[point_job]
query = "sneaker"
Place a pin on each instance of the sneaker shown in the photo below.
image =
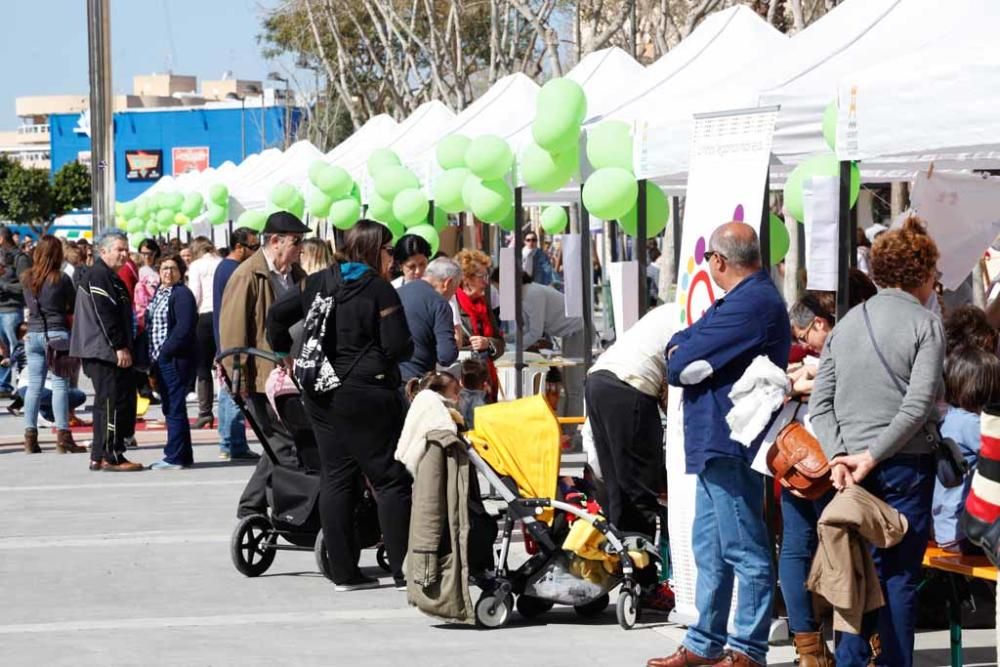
(42, 421)
(163, 465)
(14, 411)
(660, 598)
(245, 456)
(400, 583)
(191, 398)
(359, 583)
(224, 456)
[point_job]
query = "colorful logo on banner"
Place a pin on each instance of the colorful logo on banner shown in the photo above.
(187, 159)
(143, 165)
(697, 291)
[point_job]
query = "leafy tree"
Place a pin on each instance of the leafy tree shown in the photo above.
(71, 188)
(26, 196)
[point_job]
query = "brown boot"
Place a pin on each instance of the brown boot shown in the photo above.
(681, 658)
(65, 444)
(31, 441)
(736, 659)
(812, 650)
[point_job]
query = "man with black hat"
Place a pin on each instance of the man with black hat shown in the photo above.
(253, 287)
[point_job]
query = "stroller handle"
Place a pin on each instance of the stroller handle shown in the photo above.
(273, 357)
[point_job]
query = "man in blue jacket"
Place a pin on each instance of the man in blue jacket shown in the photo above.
(729, 534)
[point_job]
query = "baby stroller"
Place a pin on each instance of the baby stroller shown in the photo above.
(293, 491)
(579, 557)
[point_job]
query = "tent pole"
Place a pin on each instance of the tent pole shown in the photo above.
(518, 296)
(847, 254)
(640, 245)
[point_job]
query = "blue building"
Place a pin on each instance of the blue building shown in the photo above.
(148, 141)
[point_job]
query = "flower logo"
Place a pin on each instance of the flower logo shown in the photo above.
(697, 292)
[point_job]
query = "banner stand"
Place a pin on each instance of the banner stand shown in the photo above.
(847, 257)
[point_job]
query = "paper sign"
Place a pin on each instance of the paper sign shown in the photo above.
(821, 205)
(508, 278)
(624, 279)
(573, 275)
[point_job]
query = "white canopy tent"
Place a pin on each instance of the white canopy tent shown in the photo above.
(373, 127)
(251, 190)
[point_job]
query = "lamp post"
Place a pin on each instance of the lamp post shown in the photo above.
(274, 76)
(243, 122)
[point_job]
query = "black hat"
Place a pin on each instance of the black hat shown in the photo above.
(283, 222)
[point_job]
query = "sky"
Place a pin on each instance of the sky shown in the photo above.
(44, 48)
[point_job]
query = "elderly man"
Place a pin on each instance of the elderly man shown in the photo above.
(729, 536)
(254, 286)
(102, 338)
(429, 317)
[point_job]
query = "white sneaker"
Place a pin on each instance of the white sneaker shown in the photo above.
(42, 421)
(191, 398)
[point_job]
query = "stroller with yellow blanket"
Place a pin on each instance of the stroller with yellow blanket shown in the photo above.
(580, 557)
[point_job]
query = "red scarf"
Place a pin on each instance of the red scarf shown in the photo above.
(482, 325)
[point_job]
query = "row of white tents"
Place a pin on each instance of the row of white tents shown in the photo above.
(918, 82)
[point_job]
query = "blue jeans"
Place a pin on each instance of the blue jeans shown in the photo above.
(730, 542)
(798, 546)
(173, 377)
(907, 484)
(76, 399)
(232, 425)
(8, 334)
(38, 368)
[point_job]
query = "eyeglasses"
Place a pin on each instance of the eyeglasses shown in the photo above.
(802, 337)
(146, 253)
(709, 253)
(531, 240)
(252, 248)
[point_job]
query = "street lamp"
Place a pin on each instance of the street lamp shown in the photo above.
(274, 76)
(253, 89)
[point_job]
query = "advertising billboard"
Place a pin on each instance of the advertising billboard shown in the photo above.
(189, 158)
(143, 165)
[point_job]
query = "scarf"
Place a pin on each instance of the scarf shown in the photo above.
(482, 325)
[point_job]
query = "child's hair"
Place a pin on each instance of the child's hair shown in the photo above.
(971, 378)
(435, 381)
(21, 331)
(474, 373)
(968, 326)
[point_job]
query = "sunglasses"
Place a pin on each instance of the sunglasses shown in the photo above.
(531, 240)
(709, 253)
(252, 248)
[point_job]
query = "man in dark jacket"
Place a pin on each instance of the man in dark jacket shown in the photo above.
(13, 263)
(430, 318)
(729, 536)
(103, 336)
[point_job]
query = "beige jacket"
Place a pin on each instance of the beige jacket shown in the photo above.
(437, 565)
(245, 302)
(843, 571)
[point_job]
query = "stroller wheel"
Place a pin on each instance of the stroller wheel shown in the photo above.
(492, 611)
(529, 606)
(252, 545)
(322, 557)
(627, 608)
(383, 558)
(594, 607)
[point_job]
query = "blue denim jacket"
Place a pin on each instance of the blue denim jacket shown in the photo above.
(745, 323)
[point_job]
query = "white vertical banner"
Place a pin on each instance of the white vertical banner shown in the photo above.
(624, 277)
(730, 153)
(507, 284)
(821, 208)
(573, 275)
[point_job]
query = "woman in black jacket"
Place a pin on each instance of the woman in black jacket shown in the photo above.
(171, 320)
(358, 423)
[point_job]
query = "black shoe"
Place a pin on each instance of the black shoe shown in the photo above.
(400, 583)
(984, 535)
(358, 583)
(244, 456)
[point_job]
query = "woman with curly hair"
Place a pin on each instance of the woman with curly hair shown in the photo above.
(877, 437)
(480, 328)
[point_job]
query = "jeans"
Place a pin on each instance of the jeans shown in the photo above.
(798, 546)
(8, 335)
(730, 542)
(173, 377)
(76, 399)
(38, 368)
(906, 483)
(232, 425)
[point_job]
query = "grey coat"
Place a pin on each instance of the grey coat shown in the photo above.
(855, 405)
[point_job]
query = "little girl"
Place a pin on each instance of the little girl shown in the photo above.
(971, 381)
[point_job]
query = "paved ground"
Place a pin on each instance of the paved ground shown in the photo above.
(134, 569)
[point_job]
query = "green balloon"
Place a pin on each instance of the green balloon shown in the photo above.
(283, 195)
(779, 240)
(142, 208)
(380, 209)
(135, 238)
(657, 213)
(488, 200)
(392, 180)
(489, 157)
(411, 207)
(429, 234)
(380, 159)
(451, 151)
(440, 219)
(335, 182)
(135, 225)
(164, 217)
(824, 164)
(448, 190)
(610, 193)
(127, 210)
(344, 213)
(561, 109)
(252, 220)
(508, 222)
(216, 215)
(355, 193)
(546, 172)
(175, 201)
(319, 204)
(162, 200)
(554, 220)
(830, 125)
(395, 227)
(193, 205)
(610, 145)
(219, 194)
(181, 219)
(314, 169)
(152, 228)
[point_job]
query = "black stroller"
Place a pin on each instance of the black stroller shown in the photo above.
(293, 491)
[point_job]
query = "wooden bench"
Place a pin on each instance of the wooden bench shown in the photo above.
(936, 558)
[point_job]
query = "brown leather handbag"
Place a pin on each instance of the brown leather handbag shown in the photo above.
(798, 462)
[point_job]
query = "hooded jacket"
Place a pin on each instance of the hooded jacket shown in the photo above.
(366, 335)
